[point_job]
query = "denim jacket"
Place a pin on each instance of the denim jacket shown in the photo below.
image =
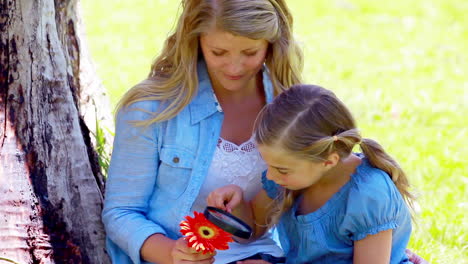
(156, 172)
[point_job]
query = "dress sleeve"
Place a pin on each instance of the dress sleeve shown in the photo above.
(271, 188)
(373, 206)
(131, 180)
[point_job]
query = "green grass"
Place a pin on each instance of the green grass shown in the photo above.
(400, 65)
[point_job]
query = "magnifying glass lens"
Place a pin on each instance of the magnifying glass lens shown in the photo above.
(228, 222)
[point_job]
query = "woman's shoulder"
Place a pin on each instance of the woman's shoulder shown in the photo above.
(138, 111)
(145, 104)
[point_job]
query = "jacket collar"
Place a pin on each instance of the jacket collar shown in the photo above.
(203, 104)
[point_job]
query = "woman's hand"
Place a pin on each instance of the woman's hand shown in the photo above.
(415, 258)
(226, 197)
(182, 253)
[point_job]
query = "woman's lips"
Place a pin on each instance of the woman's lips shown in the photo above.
(233, 77)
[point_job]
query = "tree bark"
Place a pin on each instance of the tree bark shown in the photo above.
(50, 182)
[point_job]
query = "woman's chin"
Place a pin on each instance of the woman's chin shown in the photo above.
(235, 85)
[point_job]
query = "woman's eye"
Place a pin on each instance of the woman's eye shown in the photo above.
(217, 53)
(250, 54)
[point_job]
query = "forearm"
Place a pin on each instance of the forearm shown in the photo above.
(260, 213)
(130, 184)
(260, 225)
(157, 249)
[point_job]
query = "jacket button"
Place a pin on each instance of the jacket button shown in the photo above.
(176, 160)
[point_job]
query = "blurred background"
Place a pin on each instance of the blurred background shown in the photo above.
(401, 66)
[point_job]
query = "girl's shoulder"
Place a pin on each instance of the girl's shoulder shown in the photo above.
(373, 189)
(373, 204)
(369, 180)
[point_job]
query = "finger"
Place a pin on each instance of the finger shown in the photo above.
(409, 253)
(194, 257)
(179, 255)
(415, 258)
(207, 261)
(182, 245)
(210, 199)
(234, 201)
(221, 201)
(216, 199)
(411, 256)
(195, 262)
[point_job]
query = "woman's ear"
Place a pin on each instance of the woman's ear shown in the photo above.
(332, 160)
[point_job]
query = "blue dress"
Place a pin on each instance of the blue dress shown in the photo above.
(367, 204)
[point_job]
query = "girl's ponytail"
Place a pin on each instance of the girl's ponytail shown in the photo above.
(380, 159)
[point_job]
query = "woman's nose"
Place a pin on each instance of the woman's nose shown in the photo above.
(234, 66)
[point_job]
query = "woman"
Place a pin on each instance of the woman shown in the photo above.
(187, 128)
(225, 60)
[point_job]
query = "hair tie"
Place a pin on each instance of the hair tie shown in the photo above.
(335, 138)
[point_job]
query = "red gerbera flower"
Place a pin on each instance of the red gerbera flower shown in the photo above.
(202, 235)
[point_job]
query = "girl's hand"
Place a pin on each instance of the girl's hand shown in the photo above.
(226, 197)
(182, 253)
(415, 258)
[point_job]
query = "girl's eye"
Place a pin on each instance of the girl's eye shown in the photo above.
(283, 172)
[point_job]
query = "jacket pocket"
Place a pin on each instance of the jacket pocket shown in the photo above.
(175, 170)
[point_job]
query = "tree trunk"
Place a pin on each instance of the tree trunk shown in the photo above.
(50, 182)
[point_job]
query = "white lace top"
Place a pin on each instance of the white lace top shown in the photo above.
(241, 165)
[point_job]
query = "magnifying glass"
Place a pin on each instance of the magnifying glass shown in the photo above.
(228, 222)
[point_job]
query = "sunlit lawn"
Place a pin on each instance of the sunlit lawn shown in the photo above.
(400, 65)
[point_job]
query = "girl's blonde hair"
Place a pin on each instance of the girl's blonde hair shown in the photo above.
(173, 77)
(310, 122)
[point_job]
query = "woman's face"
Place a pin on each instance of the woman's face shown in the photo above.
(232, 61)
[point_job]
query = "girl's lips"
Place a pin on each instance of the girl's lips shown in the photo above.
(233, 77)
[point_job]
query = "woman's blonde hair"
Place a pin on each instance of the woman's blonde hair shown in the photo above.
(310, 122)
(173, 77)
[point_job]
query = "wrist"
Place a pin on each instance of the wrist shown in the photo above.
(158, 248)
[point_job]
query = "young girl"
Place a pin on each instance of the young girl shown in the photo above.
(330, 205)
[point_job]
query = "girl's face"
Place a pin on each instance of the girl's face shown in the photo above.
(232, 61)
(290, 172)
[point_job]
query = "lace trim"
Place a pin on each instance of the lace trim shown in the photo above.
(238, 164)
(228, 146)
